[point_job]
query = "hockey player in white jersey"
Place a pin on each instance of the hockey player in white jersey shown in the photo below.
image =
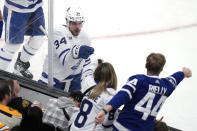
(22, 17)
(71, 52)
(99, 85)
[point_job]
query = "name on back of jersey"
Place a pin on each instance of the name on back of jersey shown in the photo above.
(157, 89)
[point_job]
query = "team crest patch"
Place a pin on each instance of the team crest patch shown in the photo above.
(25, 103)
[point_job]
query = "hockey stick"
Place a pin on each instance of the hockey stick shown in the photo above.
(43, 30)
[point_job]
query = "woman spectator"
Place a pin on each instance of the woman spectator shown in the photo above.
(100, 86)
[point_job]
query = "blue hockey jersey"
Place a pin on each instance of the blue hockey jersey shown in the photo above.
(23, 6)
(142, 97)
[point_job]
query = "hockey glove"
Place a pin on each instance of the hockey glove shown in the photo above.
(82, 51)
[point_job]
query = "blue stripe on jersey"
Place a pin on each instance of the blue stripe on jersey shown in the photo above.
(1, 28)
(72, 76)
(87, 60)
(65, 52)
(176, 78)
(86, 64)
(64, 58)
(22, 7)
(5, 59)
(46, 77)
(27, 51)
(58, 84)
(89, 70)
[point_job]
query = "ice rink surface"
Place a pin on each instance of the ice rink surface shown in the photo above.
(124, 32)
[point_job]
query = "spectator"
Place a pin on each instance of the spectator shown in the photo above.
(100, 82)
(17, 102)
(59, 111)
(143, 96)
(10, 117)
(31, 121)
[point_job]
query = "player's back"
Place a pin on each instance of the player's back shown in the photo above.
(149, 93)
(89, 108)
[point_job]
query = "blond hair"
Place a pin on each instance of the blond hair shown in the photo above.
(106, 77)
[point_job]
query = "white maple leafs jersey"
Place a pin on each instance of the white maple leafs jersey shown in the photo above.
(23, 6)
(87, 77)
(89, 108)
(64, 65)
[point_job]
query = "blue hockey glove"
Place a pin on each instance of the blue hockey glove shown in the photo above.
(82, 51)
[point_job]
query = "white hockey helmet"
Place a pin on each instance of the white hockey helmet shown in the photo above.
(74, 14)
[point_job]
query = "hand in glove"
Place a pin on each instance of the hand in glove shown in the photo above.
(82, 51)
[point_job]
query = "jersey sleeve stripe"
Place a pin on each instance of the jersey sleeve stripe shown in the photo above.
(128, 92)
(87, 60)
(63, 52)
(86, 64)
(88, 71)
(173, 81)
(64, 58)
(130, 85)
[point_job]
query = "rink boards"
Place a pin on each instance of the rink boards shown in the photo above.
(33, 91)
